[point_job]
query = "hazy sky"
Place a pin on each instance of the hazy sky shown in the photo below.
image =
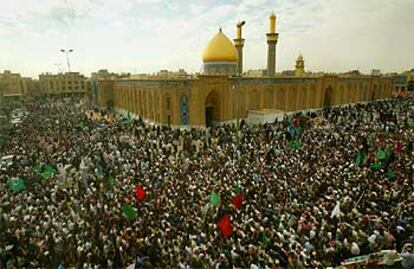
(148, 35)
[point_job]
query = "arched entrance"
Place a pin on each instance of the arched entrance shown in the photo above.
(374, 93)
(328, 97)
(280, 99)
(254, 100)
(366, 93)
(211, 109)
(167, 109)
(268, 100)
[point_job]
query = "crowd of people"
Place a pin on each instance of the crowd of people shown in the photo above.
(310, 205)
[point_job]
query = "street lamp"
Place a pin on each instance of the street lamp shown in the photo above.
(67, 56)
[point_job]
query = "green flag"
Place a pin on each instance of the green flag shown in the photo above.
(16, 185)
(298, 131)
(358, 159)
(48, 171)
(391, 174)
(381, 155)
(45, 175)
(295, 144)
(237, 186)
(45, 171)
(214, 199)
(376, 166)
(129, 211)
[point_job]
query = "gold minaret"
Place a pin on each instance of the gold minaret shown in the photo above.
(239, 43)
(300, 66)
(272, 38)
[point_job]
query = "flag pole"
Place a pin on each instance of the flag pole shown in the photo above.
(359, 200)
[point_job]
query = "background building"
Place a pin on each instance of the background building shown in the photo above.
(104, 74)
(376, 72)
(255, 73)
(63, 84)
(31, 87)
(403, 83)
(220, 94)
(11, 85)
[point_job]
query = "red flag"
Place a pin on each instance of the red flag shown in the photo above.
(237, 200)
(398, 147)
(225, 226)
(296, 122)
(140, 192)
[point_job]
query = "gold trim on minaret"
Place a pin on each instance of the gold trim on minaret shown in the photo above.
(272, 19)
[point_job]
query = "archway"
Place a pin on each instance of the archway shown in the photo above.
(157, 107)
(328, 97)
(374, 93)
(211, 109)
(166, 106)
(254, 100)
(366, 93)
(342, 92)
(268, 100)
(280, 102)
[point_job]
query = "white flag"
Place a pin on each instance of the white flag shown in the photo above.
(336, 212)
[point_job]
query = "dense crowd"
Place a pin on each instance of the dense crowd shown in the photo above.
(310, 206)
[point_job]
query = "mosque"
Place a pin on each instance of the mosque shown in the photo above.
(222, 94)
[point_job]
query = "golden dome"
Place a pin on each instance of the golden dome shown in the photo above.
(220, 49)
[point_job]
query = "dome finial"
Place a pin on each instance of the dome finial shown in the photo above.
(272, 20)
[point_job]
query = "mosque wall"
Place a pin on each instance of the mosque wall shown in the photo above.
(219, 98)
(154, 100)
(286, 94)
